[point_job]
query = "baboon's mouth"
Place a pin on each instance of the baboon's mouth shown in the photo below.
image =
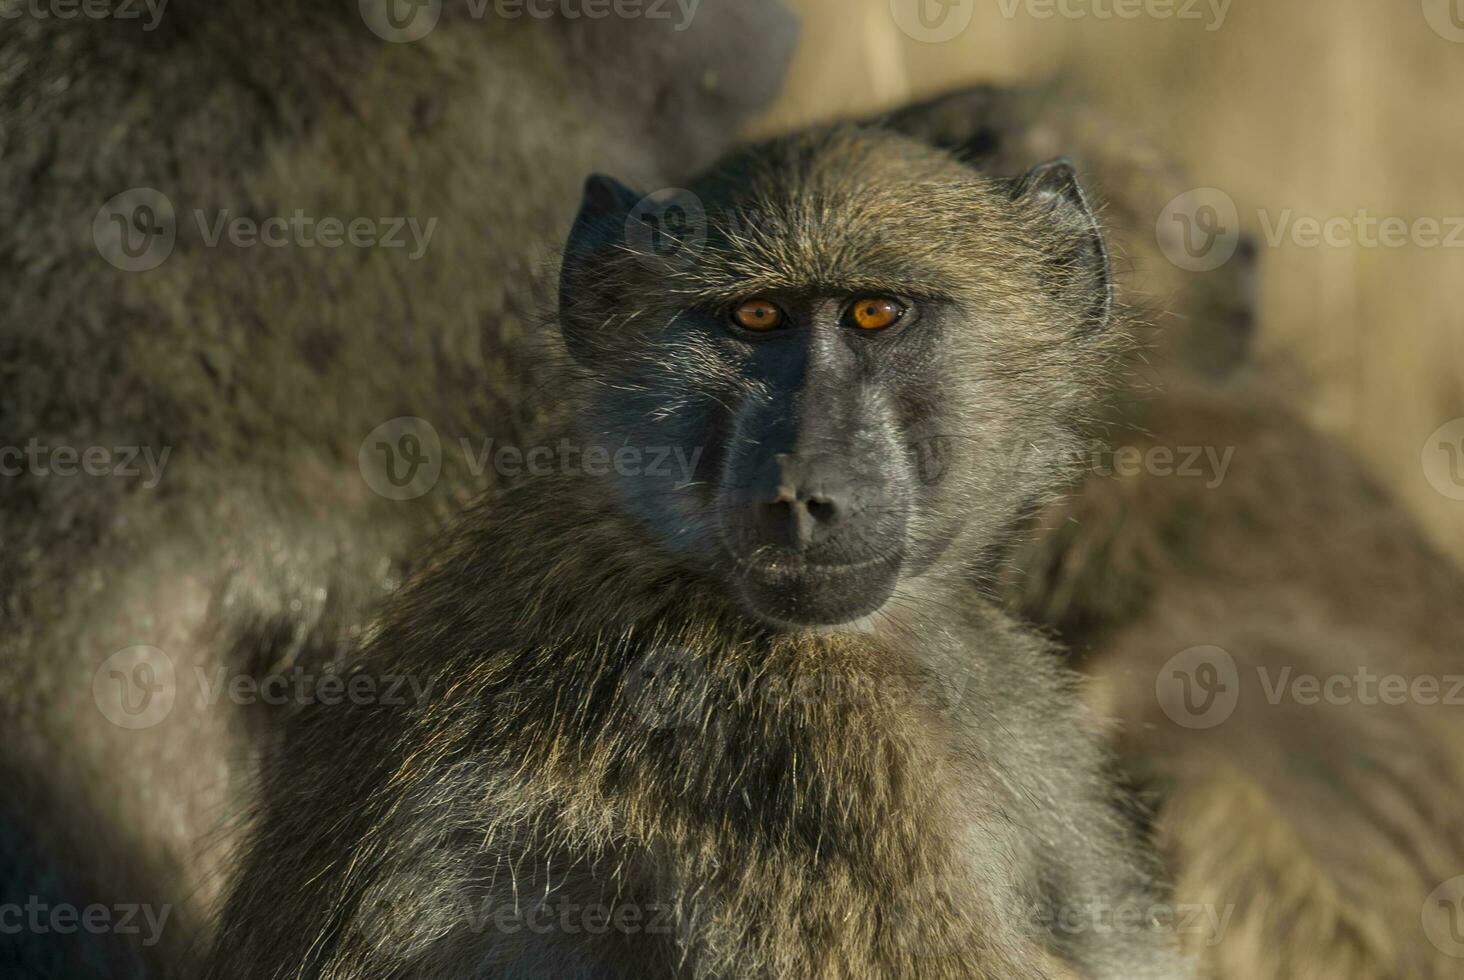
(787, 590)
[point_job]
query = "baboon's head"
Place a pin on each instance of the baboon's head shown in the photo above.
(835, 364)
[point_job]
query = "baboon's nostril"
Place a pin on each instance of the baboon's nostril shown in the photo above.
(822, 509)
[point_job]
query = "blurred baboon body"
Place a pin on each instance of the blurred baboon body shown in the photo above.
(1322, 798)
(260, 371)
(1252, 546)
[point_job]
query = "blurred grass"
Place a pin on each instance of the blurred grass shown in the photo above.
(1319, 109)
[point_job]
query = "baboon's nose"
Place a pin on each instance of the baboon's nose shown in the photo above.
(807, 502)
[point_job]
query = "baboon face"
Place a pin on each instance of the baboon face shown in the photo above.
(844, 348)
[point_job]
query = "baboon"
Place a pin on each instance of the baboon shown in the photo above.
(253, 375)
(1325, 831)
(1325, 825)
(750, 720)
(260, 551)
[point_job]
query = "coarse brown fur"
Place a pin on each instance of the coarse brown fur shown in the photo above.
(607, 729)
(1326, 822)
(261, 371)
(1323, 832)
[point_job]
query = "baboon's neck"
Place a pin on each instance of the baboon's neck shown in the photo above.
(640, 677)
(636, 710)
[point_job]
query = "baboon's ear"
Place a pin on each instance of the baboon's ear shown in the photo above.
(600, 227)
(1053, 189)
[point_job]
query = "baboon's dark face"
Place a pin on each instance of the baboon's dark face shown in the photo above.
(854, 358)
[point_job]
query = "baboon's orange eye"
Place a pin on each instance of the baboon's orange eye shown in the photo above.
(758, 314)
(876, 312)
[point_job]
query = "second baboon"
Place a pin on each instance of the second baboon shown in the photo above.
(1324, 830)
(746, 719)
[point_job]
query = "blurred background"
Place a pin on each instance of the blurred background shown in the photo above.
(1293, 111)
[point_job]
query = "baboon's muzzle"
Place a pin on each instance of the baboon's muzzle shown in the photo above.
(815, 538)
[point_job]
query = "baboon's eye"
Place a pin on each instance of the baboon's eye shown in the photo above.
(875, 313)
(758, 314)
